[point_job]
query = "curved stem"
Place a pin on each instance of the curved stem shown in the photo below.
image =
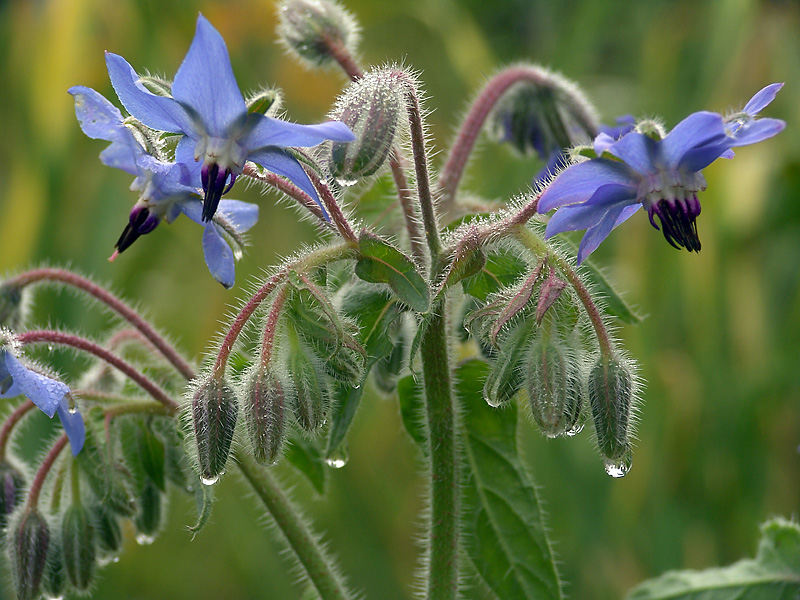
(271, 327)
(114, 303)
(473, 123)
(14, 418)
(288, 188)
(44, 469)
(73, 341)
(317, 567)
(440, 410)
(337, 216)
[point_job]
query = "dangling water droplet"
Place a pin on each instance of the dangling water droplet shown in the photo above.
(49, 347)
(49, 597)
(145, 540)
(107, 560)
(72, 410)
(338, 458)
(620, 467)
(346, 182)
(209, 480)
(576, 429)
(491, 400)
(237, 253)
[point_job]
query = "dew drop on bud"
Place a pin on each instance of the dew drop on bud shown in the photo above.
(209, 480)
(145, 540)
(620, 467)
(338, 458)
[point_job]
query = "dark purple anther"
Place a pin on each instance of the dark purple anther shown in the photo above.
(214, 184)
(677, 217)
(141, 222)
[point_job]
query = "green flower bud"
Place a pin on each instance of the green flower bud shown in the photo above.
(78, 546)
(27, 549)
(554, 388)
(506, 377)
(374, 108)
(148, 519)
(108, 532)
(12, 490)
(266, 102)
(316, 29)
(214, 413)
(309, 394)
(264, 413)
(611, 395)
(54, 580)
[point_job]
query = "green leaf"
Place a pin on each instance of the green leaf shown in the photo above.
(374, 310)
(501, 270)
(204, 498)
(774, 574)
(382, 263)
(306, 458)
(505, 534)
(409, 394)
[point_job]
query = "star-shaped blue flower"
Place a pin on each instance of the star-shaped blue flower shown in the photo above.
(46, 393)
(663, 175)
(207, 107)
(166, 189)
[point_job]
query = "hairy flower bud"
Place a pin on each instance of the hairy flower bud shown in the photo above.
(78, 546)
(309, 394)
(373, 107)
(28, 543)
(54, 580)
(315, 30)
(149, 516)
(506, 377)
(12, 489)
(214, 413)
(107, 531)
(264, 413)
(266, 102)
(554, 388)
(611, 396)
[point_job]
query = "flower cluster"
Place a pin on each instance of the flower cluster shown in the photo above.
(645, 168)
(217, 135)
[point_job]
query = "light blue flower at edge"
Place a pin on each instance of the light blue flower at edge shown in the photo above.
(208, 108)
(663, 175)
(49, 395)
(165, 189)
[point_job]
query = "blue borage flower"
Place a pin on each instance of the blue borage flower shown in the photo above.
(48, 394)
(663, 175)
(219, 134)
(166, 189)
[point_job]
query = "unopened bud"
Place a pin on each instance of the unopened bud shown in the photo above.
(12, 489)
(108, 531)
(264, 414)
(611, 396)
(549, 292)
(214, 413)
(78, 546)
(54, 580)
(11, 307)
(506, 377)
(149, 516)
(373, 107)
(27, 547)
(315, 30)
(309, 393)
(265, 102)
(554, 389)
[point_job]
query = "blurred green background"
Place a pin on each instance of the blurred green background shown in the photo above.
(720, 348)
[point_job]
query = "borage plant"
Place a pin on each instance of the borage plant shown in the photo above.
(390, 302)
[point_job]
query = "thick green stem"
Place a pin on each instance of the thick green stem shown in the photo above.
(443, 534)
(316, 565)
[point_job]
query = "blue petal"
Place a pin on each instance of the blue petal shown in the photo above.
(192, 209)
(242, 215)
(579, 182)
(184, 154)
(6, 380)
(637, 150)
(284, 164)
(627, 213)
(757, 131)
(219, 256)
(267, 131)
(98, 118)
(205, 81)
(73, 426)
(157, 112)
(700, 157)
(598, 233)
(698, 129)
(43, 391)
(761, 99)
(602, 142)
(589, 213)
(121, 156)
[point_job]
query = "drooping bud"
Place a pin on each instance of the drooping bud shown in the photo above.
(78, 546)
(214, 413)
(554, 388)
(309, 393)
(29, 541)
(149, 516)
(12, 489)
(108, 532)
(550, 291)
(506, 377)
(373, 107)
(11, 307)
(316, 30)
(264, 413)
(54, 580)
(611, 395)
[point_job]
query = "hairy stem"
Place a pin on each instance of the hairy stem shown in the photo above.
(44, 469)
(114, 303)
(317, 567)
(440, 411)
(12, 420)
(79, 343)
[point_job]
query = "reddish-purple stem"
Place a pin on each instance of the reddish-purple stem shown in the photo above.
(114, 303)
(288, 188)
(79, 343)
(44, 469)
(11, 421)
(271, 326)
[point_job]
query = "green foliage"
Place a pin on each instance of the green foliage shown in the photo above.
(774, 574)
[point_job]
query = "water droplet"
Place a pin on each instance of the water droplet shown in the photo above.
(145, 540)
(209, 480)
(49, 347)
(338, 458)
(49, 597)
(620, 467)
(107, 560)
(237, 253)
(346, 182)
(576, 429)
(73, 410)
(491, 400)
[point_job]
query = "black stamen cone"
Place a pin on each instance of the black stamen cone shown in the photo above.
(214, 186)
(678, 222)
(131, 232)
